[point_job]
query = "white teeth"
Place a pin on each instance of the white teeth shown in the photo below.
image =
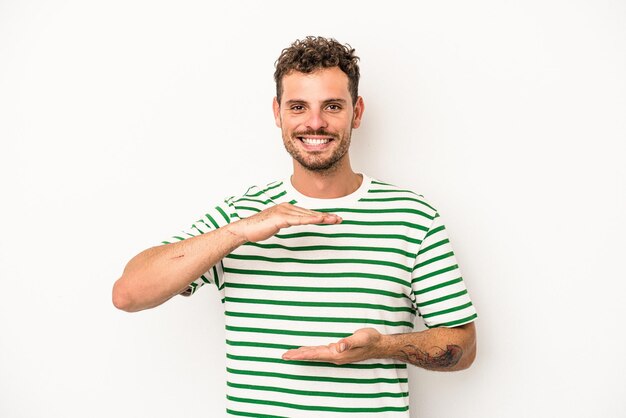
(314, 141)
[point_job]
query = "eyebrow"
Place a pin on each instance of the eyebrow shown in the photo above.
(333, 100)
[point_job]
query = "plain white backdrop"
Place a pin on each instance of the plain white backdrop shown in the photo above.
(122, 121)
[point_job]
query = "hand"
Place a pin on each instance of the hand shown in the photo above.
(268, 222)
(364, 344)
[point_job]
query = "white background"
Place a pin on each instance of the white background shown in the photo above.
(122, 121)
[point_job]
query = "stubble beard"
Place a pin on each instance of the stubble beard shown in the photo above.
(312, 161)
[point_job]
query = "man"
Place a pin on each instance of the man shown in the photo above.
(321, 274)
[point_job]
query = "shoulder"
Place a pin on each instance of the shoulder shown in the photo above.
(400, 196)
(257, 197)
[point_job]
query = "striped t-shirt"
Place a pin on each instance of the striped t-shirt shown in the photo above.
(389, 261)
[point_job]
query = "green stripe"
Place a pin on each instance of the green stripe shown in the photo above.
(441, 299)
(319, 393)
(393, 210)
(246, 199)
(445, 311)
(264, 190)
(317, 407)
(434, 231)
(380, 223)
(438, 286)
(263, 202)
(453, 323)
(289, 332)
(318, 261)
(205, 224)
(315, 289)
(251, 414)
(189, 290)
(226, 218)
(396, 199)
(281, 194)
(332, 248)
(197, 229)
(318, 319)
(382, 183)
(314, 274)
(210, 218)
(435, 273)
(392, 191)
(261, 345)
(317, 378)
(250, 208)
(341, 305)
(221, 286)
(272, 187)
(435, 245)
(216, 277)
(348, 235)
(317, 363)
(434, 259)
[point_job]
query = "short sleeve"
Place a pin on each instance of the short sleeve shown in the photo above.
(215, 218)
(440, 293)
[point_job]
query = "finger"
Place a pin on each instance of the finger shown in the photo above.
(295, 207)
(320, 353)
(343, 345)
(348, 343)
(331, 218)
(319, 217)
(307, 219)
(302, 353)
(301, 210)
(305, 211)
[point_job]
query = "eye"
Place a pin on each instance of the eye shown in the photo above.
(297, 108)
(333, 107)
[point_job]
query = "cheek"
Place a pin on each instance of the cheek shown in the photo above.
(291, 125)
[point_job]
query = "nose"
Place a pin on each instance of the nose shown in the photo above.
(316, 120)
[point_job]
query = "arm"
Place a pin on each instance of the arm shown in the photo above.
(159, 273)
(441, 349)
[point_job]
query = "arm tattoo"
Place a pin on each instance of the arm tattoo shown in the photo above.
(444, 359)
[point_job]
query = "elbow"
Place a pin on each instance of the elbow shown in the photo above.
(469, 356)
(467, 360)
(121, 297)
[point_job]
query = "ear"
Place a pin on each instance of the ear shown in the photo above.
(276, 108)
(359, 108)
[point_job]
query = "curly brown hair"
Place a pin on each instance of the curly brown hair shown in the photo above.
(315, 52)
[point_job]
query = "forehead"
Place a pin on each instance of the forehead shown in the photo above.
(319, 85)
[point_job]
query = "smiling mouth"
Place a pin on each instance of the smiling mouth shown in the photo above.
(314, 141)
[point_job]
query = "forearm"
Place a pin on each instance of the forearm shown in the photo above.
(158, 273)
(441, 349)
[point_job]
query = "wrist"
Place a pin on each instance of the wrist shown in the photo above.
(235, 231)
(384, 346)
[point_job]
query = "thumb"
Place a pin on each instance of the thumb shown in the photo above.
(343, 345)
(347, 343)
(361, 338)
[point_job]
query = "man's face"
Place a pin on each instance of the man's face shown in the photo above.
(316, 117)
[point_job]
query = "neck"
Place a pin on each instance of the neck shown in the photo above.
(337, 182)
